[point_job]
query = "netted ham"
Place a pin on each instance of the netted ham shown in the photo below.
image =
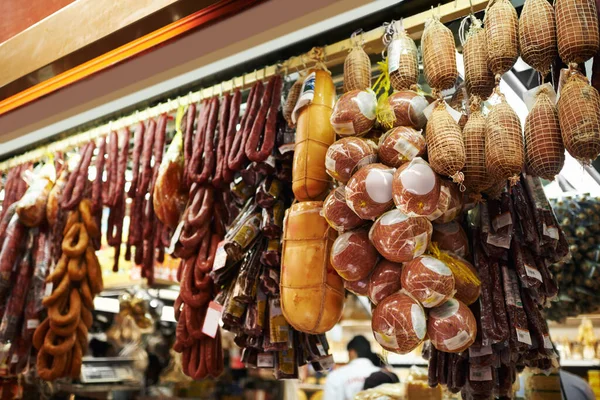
(579, 116)
(479, 79)
(416, 188)
(369, 191)
(357, 68)
(400, 145)
(544, 149)
(537, 35)
(403, 61)
(359, 288)
(384, 281)
(399, 323)
(353, 256)
(451, 237)
(354, 113)
(576, 30)
(452, 327)
(475, 172)
(502, 36)
(445, 147)
(428, 280)
(504, 154)
(439, 55)
(408, 107)
(337, 213)
(400, 238)
(346, 156)
(449, 203)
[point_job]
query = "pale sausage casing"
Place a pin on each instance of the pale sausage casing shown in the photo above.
(312, 293)
(314, 135)
(31, 208)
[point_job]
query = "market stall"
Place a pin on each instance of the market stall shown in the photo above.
(394, 185)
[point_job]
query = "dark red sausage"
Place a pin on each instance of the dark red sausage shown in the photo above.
(187, 126)
(199, 140)
(208, 165)
(221, 139)
(138, 144)
(69, 203)
(234, 115)
(238, 154)
(97, 188)
(258, 126)
(271, 127)
(109, 195)
(145, 166)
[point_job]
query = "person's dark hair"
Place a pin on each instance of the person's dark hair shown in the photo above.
(361, 346)
(379, 378)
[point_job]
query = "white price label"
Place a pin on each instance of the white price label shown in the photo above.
(547, 342)
(48, 290)
(212, 318)
(480, 374)
(480, 352)
(264, 360)
(523, 336)
(533, 273)
(32, 323)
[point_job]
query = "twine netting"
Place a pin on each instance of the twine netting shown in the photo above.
(579, 116)
(504, 154)
(544, 150)
(476, 177)
(478, 76)
(439, 55)
(407, 73)
(357, 69)
(445, 147)
(576, 29)
(502, 35)
(537, 35)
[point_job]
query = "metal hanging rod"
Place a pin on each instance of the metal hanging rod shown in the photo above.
(330, 56)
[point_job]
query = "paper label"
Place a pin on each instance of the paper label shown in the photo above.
(406, 149)
(286, 148)
(446, 310)
(499, 240)
(547, 342)
(457, 341)
(433, 299)
(551, 231)
(502, 220)
(436, 266)
(387, 341)
(429, 109)
(264, 360)
(321, 349)
(530, 95)
(48, 290)
(480, 352)
(456, 115)
(32, 323)
(220, 256)
(307, 94)
(367, 103)
(175, 238)
(523, 336)
(511, 288)
(419, 322)
(329, 163)
(533, 273)
(327, 362)
(212, 318)
(393, 51)
(14, 359)
(480, 374)
(420, 244)
(343, 128)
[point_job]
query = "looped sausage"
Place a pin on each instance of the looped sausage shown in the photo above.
(59, 270)
(86, 294)
(87, 216)
(76, 241)
(59, 292)
(201, 207)
(64, 330)
(73, 217)
(77, 269)
(94, 271)
(64, 344)
(49, 368)
(75, 370)
(73, 308)
(40, 334)
(87, 317)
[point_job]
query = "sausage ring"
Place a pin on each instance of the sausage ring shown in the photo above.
(64, 330)
(87, 317)
(86, 294)
(74, 310)
(40, 334)
(59, 271)
(78, 235)
(94, 271)
(47, 370)
(75, 370)
(58, 292)
(85, 208)
(65, 344)
(72, 219)
(77, 269)
(82, 332)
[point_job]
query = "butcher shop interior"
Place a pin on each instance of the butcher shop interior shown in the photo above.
(316, 200)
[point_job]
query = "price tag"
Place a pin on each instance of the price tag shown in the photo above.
(480, 373)
(14, 359)
(264, 360)
(175, 238)
(327, 362)
(220, 256)
(482, 351)
(321, 349)
(32, 323)
(533, 273)
(523, 336)
(48, 290)
(212, 318)
(547, 342)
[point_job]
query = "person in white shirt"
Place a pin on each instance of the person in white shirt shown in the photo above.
(345, 382)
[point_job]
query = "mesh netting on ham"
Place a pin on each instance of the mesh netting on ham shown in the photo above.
(576, 29)
(428, 280)
(399, 323)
